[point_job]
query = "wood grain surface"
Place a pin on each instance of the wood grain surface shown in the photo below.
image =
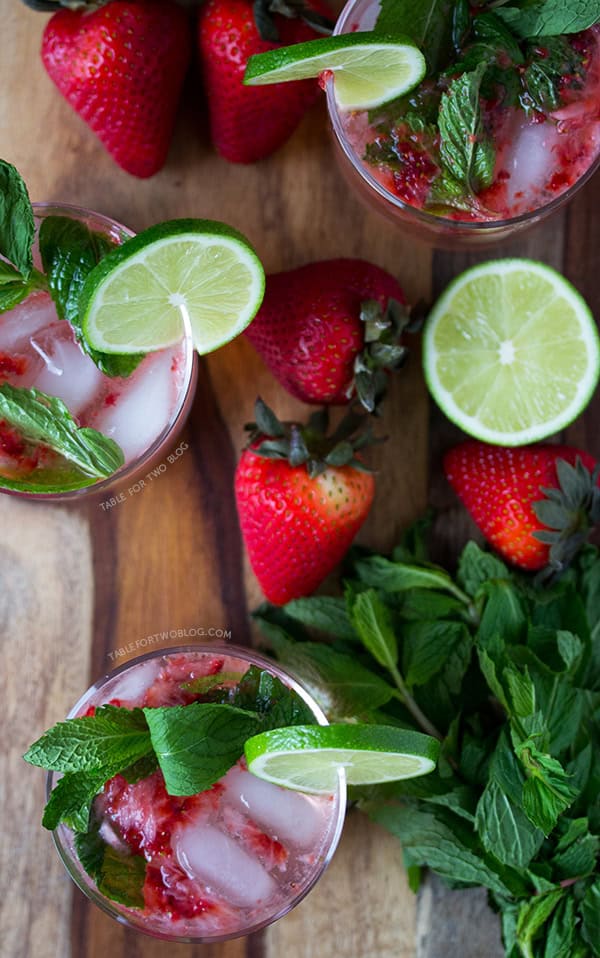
(80, 583)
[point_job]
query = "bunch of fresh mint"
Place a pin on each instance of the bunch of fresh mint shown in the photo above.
(516, 53)
(193, 745)
(506, 672)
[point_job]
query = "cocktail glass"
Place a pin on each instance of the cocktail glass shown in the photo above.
(143, 413)
(221, 864)
(350, 130)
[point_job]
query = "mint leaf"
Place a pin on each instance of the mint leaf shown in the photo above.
(561, 931)
(465, 149)
(427, 647)
(276, 704)
(17, 226)
(122, 878)
(71, 799)
(119, 876)
(543, 77)
(427, 22)
(549, 18)
(475, 567)
(45, 419)
(533, 914)
(579, 859)
(70, 251)
(547, 792)
(205, 683)
(325, 613)
(504, 829)
(372, 623)
(590, 916)
(197, 744)
(382, 573)
(111, 736)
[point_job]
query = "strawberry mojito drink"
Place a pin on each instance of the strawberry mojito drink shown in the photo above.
(133, 403)
(502, 129)
(187, 863)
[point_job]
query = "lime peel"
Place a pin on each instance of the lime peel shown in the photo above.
(511, 352)
(309, 758)
(368, 68)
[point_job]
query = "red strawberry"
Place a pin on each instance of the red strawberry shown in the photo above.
(121, 67)
(249, 123)
(329, 329)
(534, 504)
(299, 517)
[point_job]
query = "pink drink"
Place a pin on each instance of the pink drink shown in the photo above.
(39, 350)
(541, 158)
(222, 863)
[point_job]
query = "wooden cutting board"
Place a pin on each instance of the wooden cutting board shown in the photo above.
(78, 584)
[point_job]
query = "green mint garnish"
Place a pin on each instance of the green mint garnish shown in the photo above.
(43, 419)
(549, 18)
(204, 683)
(70, 251)
(197, 744)
(465, 150)
(17, 227)
(545, 72)
(119, 877)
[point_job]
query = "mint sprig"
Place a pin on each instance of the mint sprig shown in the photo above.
(466, 151)
(17, 227)
(507, 670)
(429, 23)
(46, 420)
(549, 18)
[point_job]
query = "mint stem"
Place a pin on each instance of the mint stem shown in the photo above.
(408, 701)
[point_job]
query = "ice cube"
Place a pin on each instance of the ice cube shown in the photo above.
(24, 321)
(530, 161)
(285, 815)
(66, 371)
(207, 854)
(130, 686)
(143, 408)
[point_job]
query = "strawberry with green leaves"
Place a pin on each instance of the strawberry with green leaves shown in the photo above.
(301, 499)
(536, 505)
(121, 66)
(330, 330)
(249, 123)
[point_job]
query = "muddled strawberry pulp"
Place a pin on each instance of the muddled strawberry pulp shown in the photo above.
(225, 859)
(538, 153)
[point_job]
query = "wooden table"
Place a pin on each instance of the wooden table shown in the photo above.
(76, 583)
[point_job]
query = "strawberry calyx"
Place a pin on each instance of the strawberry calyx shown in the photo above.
(264, 12)
(383, 350)
(569, 512)
(309, 444)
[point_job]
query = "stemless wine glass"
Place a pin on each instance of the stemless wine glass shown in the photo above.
(142, 412)
(220, 864)
(443, 231)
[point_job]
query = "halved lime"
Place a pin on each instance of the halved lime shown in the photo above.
(511, 352)
(368, 69)
(307, 757)
(133, 301)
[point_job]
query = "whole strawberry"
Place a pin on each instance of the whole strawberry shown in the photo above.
(328, 330)
(121, 67)
(535, 505)
(249, 123)
(301, 500)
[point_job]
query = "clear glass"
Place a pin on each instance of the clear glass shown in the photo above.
(127, 684)
(449, 233)
(182, 381)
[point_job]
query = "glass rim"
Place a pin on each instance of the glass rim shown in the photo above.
(421, 216)
(75, 869)
(184, 398)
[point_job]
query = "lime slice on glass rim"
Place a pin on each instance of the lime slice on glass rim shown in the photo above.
(140, 296)
(307, 758)
(511, 352)
(368, 68)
